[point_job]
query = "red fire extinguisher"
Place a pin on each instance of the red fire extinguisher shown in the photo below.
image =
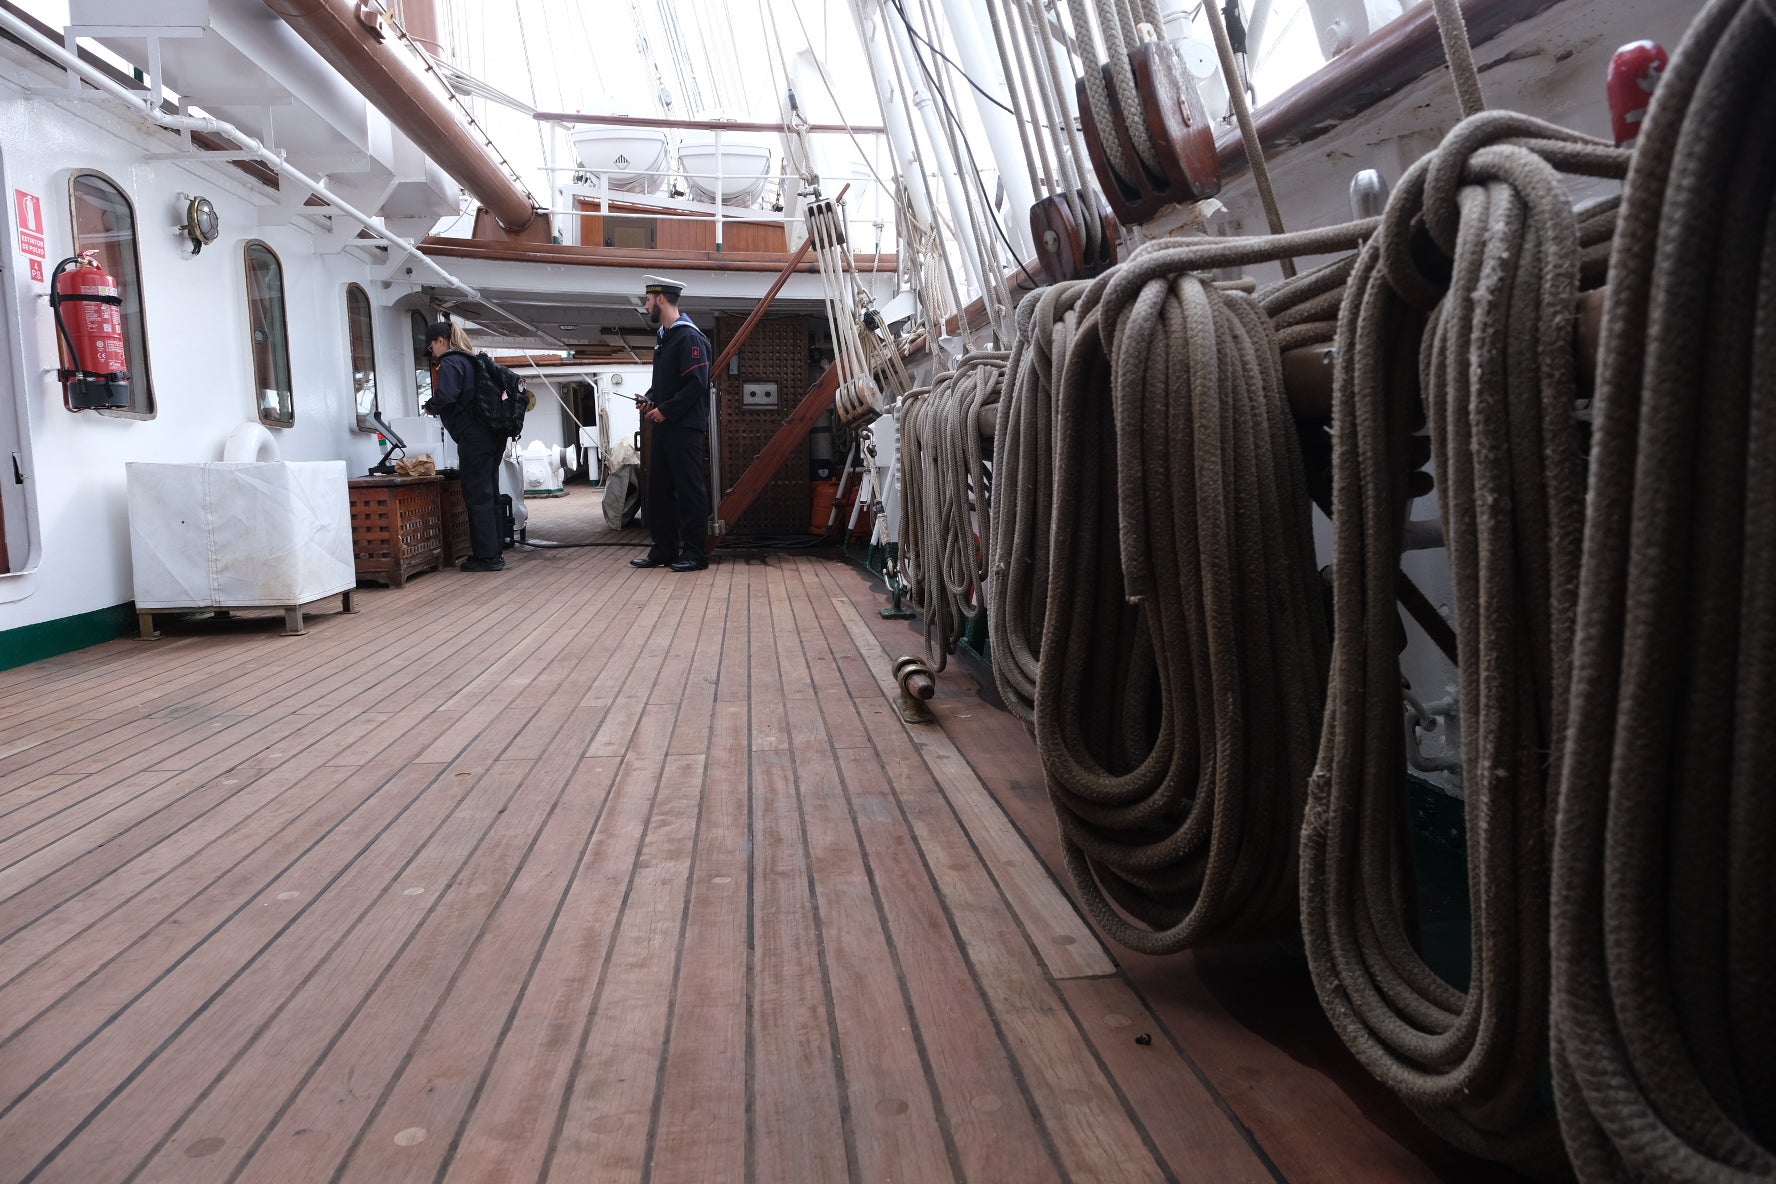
(93, 331)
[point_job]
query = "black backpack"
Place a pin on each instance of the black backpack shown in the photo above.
(499, 401)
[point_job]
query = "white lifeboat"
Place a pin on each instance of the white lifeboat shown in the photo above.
(742, 159)
(633, 159)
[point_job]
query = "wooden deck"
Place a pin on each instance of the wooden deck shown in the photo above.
(583, 873)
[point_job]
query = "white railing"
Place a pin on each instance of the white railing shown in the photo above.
(694, 210)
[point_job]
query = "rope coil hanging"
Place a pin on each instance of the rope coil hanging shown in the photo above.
(1664, 895)
(1023, 466)
(1479, 347)
(947, 491)
(1181, 626)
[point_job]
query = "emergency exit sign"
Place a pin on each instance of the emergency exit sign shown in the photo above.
(30, 222)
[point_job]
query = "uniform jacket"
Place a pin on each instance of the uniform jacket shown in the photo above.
(681, 376)
(453, 394)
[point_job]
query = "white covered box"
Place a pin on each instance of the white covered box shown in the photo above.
(239, 535)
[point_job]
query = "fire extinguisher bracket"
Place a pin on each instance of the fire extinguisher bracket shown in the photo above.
(99, 377)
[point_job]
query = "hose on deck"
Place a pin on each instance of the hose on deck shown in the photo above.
(1664, 892)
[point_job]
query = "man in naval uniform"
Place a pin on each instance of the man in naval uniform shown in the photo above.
(678, 407)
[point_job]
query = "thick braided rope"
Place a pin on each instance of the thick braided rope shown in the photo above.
(1024, 453)
(1181, 631)
(946, 499)
(1664, 914)
(1023, 475)
(1483, 352)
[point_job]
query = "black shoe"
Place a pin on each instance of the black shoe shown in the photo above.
(648, 561)
(690, 565)
(482, 565)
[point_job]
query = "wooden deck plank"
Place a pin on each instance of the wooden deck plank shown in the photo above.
(1068, 944)
(71, 1066)
(512, 1134)
(124, 845)
(989, 1114)
(409, 1136)
(695, 905)
(606, 1117)
(1094, 1135)
(796, 1090)
(330, 1110)
(142, 895)
(700, 1132)
(897, 1124)
(260, 1053)
(113, 1021)
(255, 741)
(797, 1086)
(1194, 1133)
(1247, 1017)
(700, 1122)
(507, 1132)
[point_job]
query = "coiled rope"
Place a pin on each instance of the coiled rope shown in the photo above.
(946, 497)
(1664, 893)
(1459, 312)
(1181, 629)
(1024, 468)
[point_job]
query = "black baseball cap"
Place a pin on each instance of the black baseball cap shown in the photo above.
(437, 330)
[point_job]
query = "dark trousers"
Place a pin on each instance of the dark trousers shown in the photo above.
(478, 459)
(678, 495)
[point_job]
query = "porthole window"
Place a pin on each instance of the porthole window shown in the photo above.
(422, 359)
(105, 227)
(267, 321)
(360, 325)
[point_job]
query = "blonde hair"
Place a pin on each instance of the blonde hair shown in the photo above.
(459, 339)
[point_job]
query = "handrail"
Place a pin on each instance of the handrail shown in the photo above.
(707, 125)
(1384, 63)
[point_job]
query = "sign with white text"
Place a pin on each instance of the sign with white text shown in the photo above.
(30, 224)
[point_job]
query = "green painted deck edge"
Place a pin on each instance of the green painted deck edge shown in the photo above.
(46, 639)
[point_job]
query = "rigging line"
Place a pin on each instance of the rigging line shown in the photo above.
(995, 292)
(918, 36)
(716, 68)
(579, 17)
(974, 166)
(450, 95)
(530, 74)
(826, 81)
(742, 99)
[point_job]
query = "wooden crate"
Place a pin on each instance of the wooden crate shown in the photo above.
(397, 527)
(455, 521)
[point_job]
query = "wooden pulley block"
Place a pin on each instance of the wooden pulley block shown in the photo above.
(1176, 121)
(857, 401)
(1061, 244)
(825, 214)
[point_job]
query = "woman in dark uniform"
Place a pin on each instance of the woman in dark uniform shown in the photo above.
(478, 450)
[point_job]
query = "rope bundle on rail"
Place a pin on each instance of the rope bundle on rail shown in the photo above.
(1664, 923)
(1458, 315)
(944, 521)
(1024, 467)
(1182, 644)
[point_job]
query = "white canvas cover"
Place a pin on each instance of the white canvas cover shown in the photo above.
(239, 535)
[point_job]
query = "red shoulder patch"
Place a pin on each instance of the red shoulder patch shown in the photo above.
(696, 352)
